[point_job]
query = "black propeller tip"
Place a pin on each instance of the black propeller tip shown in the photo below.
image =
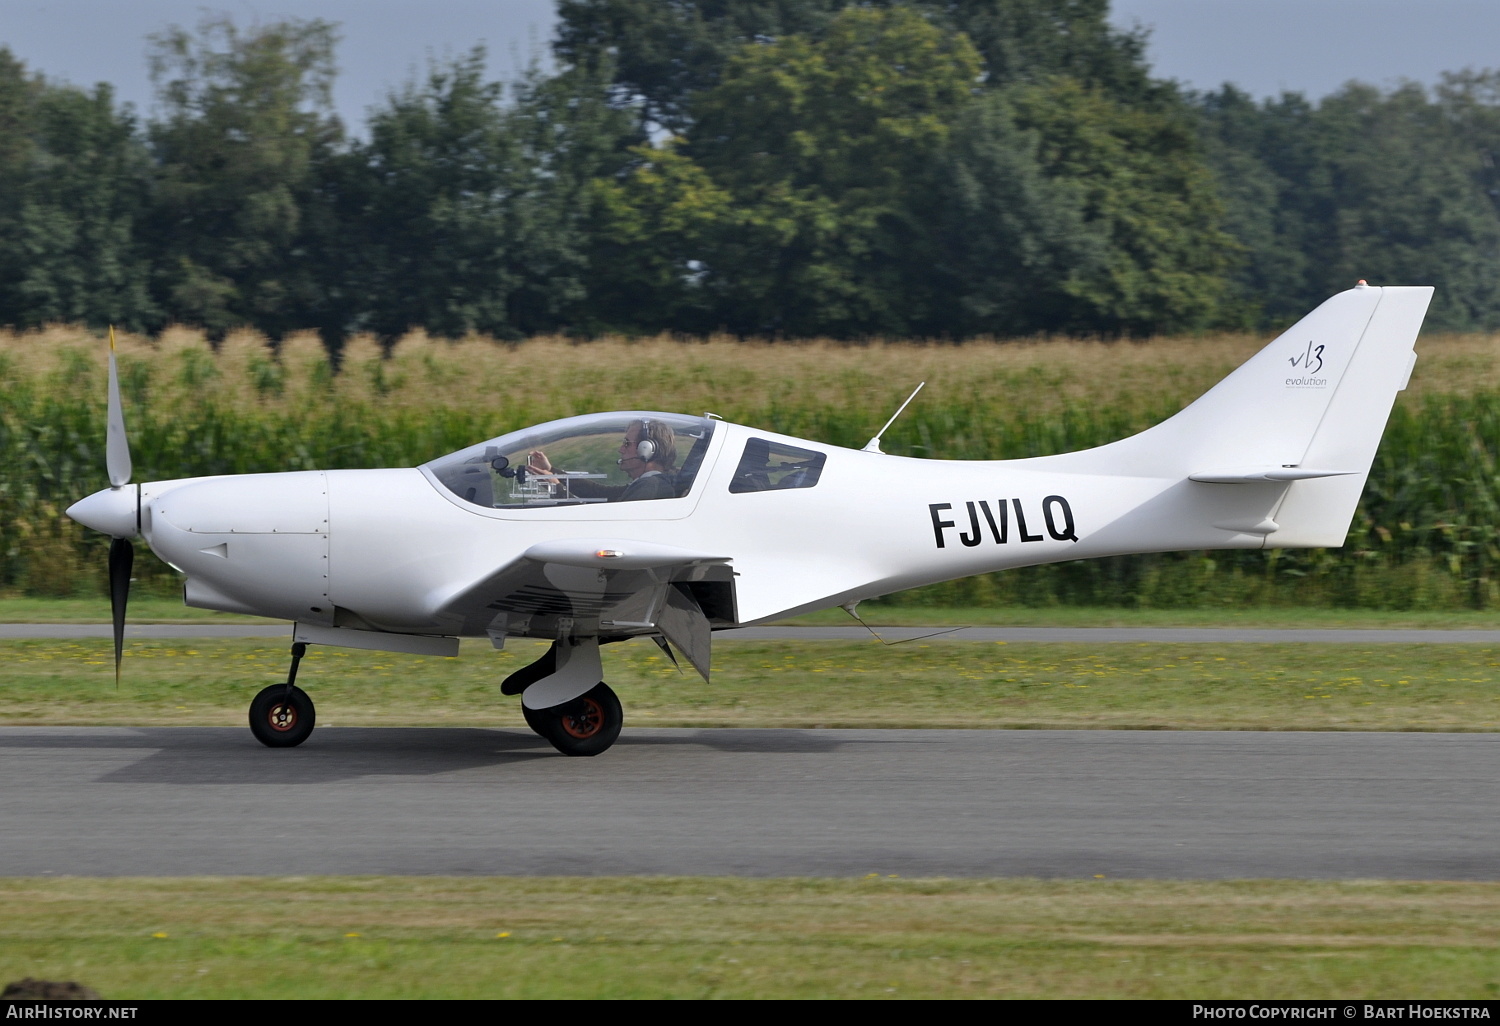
(121, 561)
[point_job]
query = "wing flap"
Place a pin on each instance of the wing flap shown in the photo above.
(682, 621)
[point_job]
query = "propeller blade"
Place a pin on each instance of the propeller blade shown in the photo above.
(116, 445)
(121, 560)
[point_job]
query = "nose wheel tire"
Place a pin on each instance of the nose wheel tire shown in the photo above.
(282, 717)
(587, 725)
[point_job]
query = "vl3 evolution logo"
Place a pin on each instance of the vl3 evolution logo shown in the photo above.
(1311, 362)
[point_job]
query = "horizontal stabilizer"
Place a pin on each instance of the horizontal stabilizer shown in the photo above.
(1245, 475)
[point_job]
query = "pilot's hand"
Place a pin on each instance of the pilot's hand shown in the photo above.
(538, 462)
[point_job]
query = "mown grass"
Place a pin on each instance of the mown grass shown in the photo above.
(879, 937)
(95, 609)
(156, 609)
(1427, 535)
(792, 684)
(1283, 617)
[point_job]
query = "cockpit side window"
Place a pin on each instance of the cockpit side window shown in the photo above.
(768, 466)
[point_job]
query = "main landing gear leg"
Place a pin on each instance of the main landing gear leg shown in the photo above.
(282, 715)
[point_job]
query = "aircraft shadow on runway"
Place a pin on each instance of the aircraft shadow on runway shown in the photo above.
(763, 739)
(228, 755)
(225, 755)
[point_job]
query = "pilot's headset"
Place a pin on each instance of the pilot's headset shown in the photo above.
(656, 444)
(645, 449)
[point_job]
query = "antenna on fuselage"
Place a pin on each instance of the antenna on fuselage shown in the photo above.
(851, 607)
(873, 445)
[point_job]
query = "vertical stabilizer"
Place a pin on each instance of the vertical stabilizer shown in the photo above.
(1318, 512)
(1280, 449)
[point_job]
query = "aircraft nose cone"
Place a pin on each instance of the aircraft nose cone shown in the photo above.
(111, 511)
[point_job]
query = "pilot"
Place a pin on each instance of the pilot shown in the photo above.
(648, 455)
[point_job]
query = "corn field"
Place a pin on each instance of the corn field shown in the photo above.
(1425, 536)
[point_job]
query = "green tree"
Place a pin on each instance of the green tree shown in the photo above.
(1273, 186)
(1008, 238)
(659, 53)
(470, 212)
(1410, 206)
(428, 206)
(571, 137)
(1031, 41)
(931, 166)
(18, 96)
(662, 52)
(826, 146)
(247, 126)
(653, 224)
(1395, 187)
(74, 184)
(1150, 199)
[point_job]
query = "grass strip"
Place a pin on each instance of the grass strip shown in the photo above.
(141, 609)
(791, 684)
(157, 609)
(878, 937)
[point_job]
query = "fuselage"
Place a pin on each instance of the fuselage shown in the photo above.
(380, 549)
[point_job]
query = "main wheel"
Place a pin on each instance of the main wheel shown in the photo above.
(282, 717)
(537, 720)
(587, 725)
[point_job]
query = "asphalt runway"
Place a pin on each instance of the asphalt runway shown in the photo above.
(107, 801)
(1087, 635)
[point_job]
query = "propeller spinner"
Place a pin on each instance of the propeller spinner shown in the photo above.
(116, 510)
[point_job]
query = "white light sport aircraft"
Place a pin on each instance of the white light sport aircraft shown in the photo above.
(617, 525)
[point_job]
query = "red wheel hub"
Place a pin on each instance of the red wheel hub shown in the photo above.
(282, 717)
(584, 720)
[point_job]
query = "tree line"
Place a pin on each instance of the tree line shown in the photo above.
(898, 168)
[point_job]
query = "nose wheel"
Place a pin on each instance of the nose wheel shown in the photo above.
(282, 716)
(587, 725)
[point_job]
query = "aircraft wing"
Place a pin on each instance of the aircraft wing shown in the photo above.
(609, 588)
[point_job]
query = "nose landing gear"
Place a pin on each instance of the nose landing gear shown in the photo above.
(282, 716)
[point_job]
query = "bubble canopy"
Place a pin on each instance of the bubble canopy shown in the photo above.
(594, 458)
